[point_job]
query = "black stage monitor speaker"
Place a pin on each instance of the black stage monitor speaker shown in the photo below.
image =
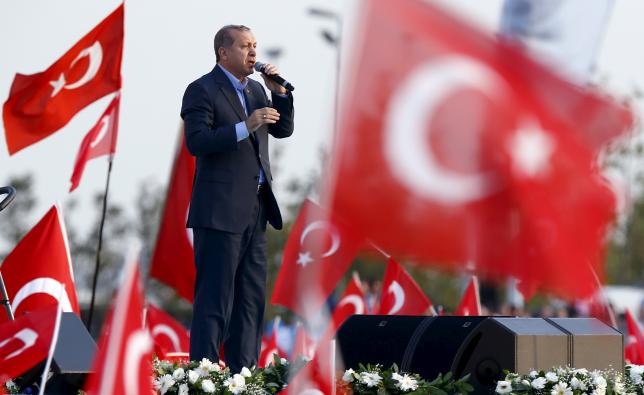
(72, 360)
(480, 346)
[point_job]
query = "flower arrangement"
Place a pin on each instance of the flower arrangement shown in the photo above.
(569, 381)
(373, 379)
(206, 377)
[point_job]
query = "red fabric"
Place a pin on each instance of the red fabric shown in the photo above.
(123, 361)
(25, 342)
(401, 295)
(99, 141)
(168, 334)
(303, 346)
(352, 302)
(173, 258)
(268, 348)
(634, 344)
(317, 375)
(470, 303)
(469, 151)
(318, 252)
(39, 266)
(40, 104)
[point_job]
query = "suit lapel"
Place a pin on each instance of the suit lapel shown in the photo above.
(229, 92)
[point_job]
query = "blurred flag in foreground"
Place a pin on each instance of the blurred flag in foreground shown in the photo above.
(124, 359)
(470, 151)
(41, 103)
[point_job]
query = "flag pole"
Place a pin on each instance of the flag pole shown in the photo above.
(88, 324)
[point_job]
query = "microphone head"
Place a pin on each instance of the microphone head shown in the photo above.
(259, 66)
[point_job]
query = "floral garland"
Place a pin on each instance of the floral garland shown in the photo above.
(569, 381)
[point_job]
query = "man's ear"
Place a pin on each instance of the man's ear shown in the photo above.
(222, 53)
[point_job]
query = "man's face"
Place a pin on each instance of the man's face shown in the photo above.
(239, 59)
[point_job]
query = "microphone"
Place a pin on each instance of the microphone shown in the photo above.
(259, 66)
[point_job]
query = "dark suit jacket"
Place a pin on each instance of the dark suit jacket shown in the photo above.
(227, 172)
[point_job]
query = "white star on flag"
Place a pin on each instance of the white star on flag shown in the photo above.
(58, 85)
(304, 258)
(530, 149)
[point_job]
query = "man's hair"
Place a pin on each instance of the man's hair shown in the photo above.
(223, 38)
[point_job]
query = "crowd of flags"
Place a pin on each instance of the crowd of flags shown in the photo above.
(523, 199)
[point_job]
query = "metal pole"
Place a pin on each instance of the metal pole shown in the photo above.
(88, 324)
(11, 194)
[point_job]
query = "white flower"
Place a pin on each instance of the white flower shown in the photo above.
(575, 383)
(178, 374)
(405, 382)
(283, 361)
(503, 387)
(208, 386)
(193, 376)
(636, 369)
(539, 383)
(245, 372)
(236, 384)
(635, 378)
(207, 364)
(202, 371)
(370, 378)
(533, 374)
(183, 389)
(561, 389)
(525, 382)
(11, 386)
(164, 383)
(347, 377)
(552, 377)
(600, 382)
(582, 371)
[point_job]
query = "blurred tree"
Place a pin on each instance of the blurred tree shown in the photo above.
(16, 218)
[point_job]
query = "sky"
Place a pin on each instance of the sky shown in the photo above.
(169, 44)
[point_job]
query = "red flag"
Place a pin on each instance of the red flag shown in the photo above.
(40, 104)
(318, 252)
(352, 302)
(124, 360)
(99, 141)
(401, 295)
(469, 151)
(599, 306)
(173, 259)
(303, 345)
(317, 377)
(470, 302)
(269, 347)
(25, 342)
(38, 268)
(169, 336)
(634, 345)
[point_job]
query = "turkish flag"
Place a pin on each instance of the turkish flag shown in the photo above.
(470, 302)
(352, 302)
(470, 151)
(269, 347)
(40, 104)
(173, 258)
(99, 141)
(38, 268)
(25, 342)
(303, 345)
(124, 359)
(634, 344)
(317, 377)
(168, 334)
(401, 295)
(318, 252)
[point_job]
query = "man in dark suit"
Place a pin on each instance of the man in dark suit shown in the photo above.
(228, 118)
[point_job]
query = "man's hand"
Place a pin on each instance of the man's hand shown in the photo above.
(262, 116)
(270, 84)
